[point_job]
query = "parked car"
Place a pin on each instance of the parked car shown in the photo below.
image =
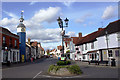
(51, 56)
(47, 56)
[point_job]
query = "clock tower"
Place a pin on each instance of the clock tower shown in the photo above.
(21, 32)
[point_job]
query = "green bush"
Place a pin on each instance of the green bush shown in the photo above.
(51, 67)
(75, 69)
(63, 62)
(68, 62)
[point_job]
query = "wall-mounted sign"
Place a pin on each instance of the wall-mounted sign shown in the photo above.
(22, 58)
(104, 52)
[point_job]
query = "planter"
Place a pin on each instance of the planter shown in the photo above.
(60, 72)
(64, 70)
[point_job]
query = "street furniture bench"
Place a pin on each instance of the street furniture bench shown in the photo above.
(98, 62)
(104, 62)
(93, 61)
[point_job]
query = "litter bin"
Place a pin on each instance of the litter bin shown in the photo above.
(113, 62)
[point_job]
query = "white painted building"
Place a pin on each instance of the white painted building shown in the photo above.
(94, 45)
(59, 51)
(75, 51)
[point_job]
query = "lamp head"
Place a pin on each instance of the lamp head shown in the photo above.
(66, 22)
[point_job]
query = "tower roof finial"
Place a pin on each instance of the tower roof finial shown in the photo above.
(22, 19)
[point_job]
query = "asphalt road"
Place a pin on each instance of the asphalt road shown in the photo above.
(28, 71)
(39, 69)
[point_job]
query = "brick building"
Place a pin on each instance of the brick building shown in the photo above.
(9, 46)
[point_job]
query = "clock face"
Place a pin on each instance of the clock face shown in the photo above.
(23, 29)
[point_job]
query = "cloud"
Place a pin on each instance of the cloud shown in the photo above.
(71, 34)
(68, 3)
(11, 14)
(35, 29)
(46, 15)
(109, 12)
(49, 47)
(85, 25)
(45, 35)
(83, 18)
(33, 2)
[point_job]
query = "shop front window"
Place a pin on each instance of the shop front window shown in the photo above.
(90, 55)
(14, 56)
(117, 53)
(110, 53)
(5, 56)
(83, 56)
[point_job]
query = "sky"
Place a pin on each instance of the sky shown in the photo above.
(41, 19)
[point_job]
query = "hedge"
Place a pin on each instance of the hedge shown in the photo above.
(63, 62)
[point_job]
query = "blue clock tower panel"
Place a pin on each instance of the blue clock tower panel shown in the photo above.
(22, 45)
(21, 32)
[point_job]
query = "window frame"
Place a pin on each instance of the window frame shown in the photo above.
(86, 46)
(4, 39)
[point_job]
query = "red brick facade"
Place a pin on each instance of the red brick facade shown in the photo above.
(9, 39)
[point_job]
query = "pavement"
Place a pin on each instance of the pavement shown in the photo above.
(22, 63)
(98, 71)
(38, 70)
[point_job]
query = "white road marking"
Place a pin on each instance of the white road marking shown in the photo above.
(37, 74)
(62, 77)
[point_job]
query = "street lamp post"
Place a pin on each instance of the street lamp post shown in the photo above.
(60, 23)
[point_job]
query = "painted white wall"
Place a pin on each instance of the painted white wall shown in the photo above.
(112, 41)
(59, 52)
(84, 51)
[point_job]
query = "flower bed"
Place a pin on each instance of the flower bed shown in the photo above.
(64, 70)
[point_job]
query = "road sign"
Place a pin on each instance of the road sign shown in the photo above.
(63, 58)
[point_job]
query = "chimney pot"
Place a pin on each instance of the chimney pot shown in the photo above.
(80, 35)
(100, 29)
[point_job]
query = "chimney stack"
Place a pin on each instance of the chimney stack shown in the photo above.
(29, 40)
(80, 35)
(100, 29)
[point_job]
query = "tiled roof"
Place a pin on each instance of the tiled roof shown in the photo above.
(90, 37)
(52, 50)
(34, 43)
(59, 47)
(5, 30)
(111, 28)
(75, 39)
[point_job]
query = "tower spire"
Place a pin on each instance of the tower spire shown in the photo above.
(22, 19)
